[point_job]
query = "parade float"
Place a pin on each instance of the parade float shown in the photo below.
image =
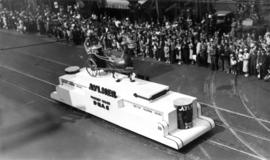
(144, 107)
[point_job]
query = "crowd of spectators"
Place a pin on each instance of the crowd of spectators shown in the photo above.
(182, 41)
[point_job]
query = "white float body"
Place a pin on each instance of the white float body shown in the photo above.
(143, 107)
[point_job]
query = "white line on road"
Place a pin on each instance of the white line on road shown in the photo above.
(244, 132)
(43, 58)
(205, 152)
(244, 99)
(233, 112)
(251, 113)
(212, 93)
(237, 150)
(26, 90)
(27, 75)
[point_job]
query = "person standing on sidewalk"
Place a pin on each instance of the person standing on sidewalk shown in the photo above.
(239, 61)
(246, 57)
(253, 60)
(198, 50)
(226, 58)
(213, 53)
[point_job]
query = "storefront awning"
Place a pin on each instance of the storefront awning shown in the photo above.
(120, 4)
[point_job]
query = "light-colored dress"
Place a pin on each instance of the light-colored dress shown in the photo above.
(245, 61)
(190, 50)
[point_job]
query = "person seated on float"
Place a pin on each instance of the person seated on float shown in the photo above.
(124, 60)
(90, 40)
(127, 56)
(131, 45)
(94, 49)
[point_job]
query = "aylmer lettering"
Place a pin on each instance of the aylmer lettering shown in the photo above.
(102, 90)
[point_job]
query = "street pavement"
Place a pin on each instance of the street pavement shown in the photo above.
(33, 126)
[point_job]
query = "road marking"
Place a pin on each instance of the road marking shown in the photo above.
(26, 90)
(233, 112)
(244, 99)
(43, 58)
(212, 92)
(27, 75)
(250, 112)
(237, 150)
(244, 132)
(28, 103)
(205, 152)
(47, 59)
(28, 45)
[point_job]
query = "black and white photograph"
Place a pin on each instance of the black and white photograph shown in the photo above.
(134, 80)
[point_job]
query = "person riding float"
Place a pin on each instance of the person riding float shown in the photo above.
(91, 44)
(109, 62)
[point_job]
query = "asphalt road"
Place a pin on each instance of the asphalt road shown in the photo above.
(33, 126)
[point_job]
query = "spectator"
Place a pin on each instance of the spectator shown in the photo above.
(212, 51)
(233, 64)
(252, 60)
(246, 57)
